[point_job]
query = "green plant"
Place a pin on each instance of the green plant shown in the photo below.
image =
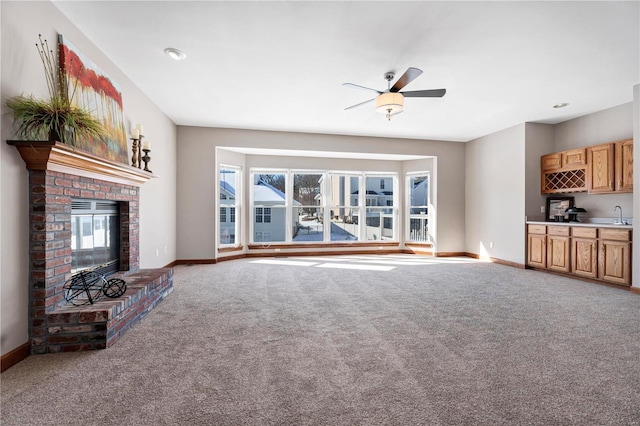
(55, 118)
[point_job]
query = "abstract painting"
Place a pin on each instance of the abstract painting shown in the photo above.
(90, 88)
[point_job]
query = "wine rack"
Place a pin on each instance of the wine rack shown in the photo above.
(564, 181)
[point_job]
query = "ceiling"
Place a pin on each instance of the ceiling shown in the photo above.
(280, 65)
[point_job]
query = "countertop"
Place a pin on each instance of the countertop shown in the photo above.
(584, 224)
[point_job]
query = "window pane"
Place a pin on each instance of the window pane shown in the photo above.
(379, 191)
(229, 182)
(379, 224)
(228, 185)
(308, 225)
(418, 210)
(306, 189)
(269, 189)
(269, 224)
(344, 190)
(344, 224)
(419, 190)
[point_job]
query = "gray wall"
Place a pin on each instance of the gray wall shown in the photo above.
(197, 162)
(22, 73)
(495, 195)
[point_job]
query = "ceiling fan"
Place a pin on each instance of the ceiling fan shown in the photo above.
(391, 101)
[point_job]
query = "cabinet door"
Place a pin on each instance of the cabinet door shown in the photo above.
(600, 168)
(624, 166)
(574, 158)
(614, 262)
(558, 253)
(584, 257)
(551, 161)
(537, 250)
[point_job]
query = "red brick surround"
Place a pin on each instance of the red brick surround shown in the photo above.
(58, 173)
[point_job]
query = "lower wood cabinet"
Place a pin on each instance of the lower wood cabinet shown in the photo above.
(537, 251)
(614, 256)
(597, 253)
(558, 249)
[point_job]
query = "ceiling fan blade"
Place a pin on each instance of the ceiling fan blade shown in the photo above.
(355, 86)
(434, 93)
(409, 75)
(361, 103)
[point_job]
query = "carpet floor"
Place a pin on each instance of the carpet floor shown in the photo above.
(352, 340)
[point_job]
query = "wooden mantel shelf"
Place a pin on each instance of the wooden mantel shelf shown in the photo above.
(59, 157)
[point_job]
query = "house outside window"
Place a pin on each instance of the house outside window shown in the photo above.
(269, 204)
(229, 203)
(306, 213)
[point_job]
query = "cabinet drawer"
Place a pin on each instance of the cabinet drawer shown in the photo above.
(537, 229)
(615, 234)
(558, 230)
(584, 232)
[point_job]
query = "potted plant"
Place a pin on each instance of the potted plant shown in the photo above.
(55, 118)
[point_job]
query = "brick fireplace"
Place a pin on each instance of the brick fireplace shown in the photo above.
(56, 175)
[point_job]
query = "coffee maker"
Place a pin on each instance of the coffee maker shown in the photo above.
(573, 213)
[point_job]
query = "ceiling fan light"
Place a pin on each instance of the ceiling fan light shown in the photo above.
(390, 103)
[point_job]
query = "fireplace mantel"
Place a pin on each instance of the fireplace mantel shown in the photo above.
(59, 157)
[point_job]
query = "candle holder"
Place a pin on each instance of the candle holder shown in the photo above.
(146, 158)
(139, 151)
(134, 150)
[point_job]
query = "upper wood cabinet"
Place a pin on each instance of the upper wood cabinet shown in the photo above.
(599, 169)
(624, 166)
(563, 171)
(600, 163)
(551, 161)
(574, 158)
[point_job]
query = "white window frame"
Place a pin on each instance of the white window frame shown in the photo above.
(408, 215)
(237, 205)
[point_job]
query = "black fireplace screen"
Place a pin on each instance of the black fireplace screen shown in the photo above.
(95, 236)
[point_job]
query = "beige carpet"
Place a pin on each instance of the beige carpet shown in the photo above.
(350, 340)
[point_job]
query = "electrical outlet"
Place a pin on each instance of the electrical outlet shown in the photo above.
(541, 209)
(157, 252)
(165, 249)
(490, 244)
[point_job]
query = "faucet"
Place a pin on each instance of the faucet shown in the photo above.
(619, 221)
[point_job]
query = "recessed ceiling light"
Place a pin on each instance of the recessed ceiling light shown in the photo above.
(175, 54)
(561, 105)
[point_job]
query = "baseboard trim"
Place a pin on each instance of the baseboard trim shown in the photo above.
(194, 261)
(635, 290)
(15, 356)
(496, 260)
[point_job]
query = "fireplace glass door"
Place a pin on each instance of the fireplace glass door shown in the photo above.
(95, 236)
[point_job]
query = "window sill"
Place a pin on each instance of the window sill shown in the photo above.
(322, 245)
(230, 249)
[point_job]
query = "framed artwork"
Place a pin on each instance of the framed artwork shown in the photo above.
(90, 88)
(556, 206)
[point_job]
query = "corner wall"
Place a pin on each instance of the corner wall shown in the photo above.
(495, 195)
(22, 72)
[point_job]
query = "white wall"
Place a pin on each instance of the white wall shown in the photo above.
(635, 278)
(196, 169)
(22, 73)
(600, 127)
(495, 195)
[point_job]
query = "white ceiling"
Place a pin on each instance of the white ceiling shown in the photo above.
(280, 65)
